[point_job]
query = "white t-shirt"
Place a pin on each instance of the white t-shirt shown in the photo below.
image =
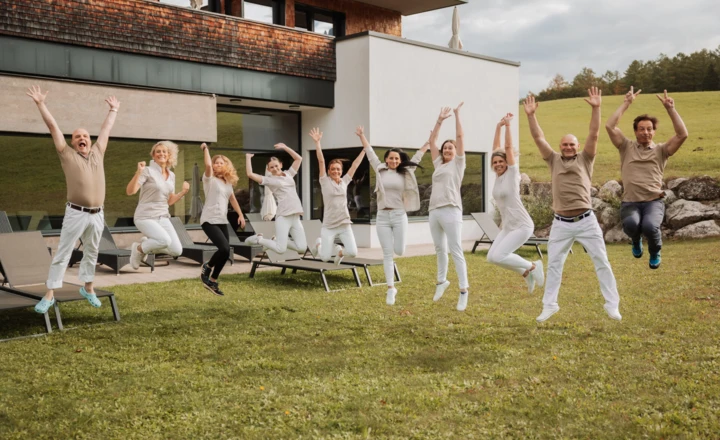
(506, 193)
(283, 188)
(217, 197)
(393, 185)
(335, 211)
(154, 193)
(446, 181)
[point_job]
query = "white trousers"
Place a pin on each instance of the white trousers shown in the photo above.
(446, 230)
(161, 237)
(391, 226)
(289, 234)
(588, 233)
(502, 250)
(327, 241)
(77, 225)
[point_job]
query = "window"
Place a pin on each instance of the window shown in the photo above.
(319, 20)
(266, 11)
(38, 203)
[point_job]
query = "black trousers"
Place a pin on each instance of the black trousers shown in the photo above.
(220, 237)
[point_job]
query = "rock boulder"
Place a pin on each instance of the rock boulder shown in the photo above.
(707, 228)
(699, 188)
(610, 191)
(685, 212)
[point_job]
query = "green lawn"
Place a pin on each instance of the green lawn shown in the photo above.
(280, 358)
(699, 110)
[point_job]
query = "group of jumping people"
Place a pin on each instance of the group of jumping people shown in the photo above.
(396, 188)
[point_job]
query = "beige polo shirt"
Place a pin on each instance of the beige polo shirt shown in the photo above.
(571, 181)
(641, 169)
(283, 188)
(335, 210)
(84, 177)
(154, 193)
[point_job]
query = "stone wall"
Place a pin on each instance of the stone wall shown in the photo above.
(692, 207)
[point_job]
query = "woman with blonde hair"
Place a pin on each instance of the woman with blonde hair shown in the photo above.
(446, 213)
(517, 226)
(336, 217)
(289, 232)
(152, 216)
(218, 180)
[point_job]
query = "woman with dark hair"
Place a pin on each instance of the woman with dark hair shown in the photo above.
(218, 180)
(336, 217)
(289, 232)
(397, 193)
(517, 226)
(446, 206)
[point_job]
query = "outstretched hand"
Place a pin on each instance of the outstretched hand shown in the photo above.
(113, 102)
(530, 105)
(249, 155)
(36, 94)
(631, 95)
(457, 109)
(203, 146)
(667, 101)
(445, 113)
(316, 134)
(595, 97)
(506, 119)
(359, 130)
(280, 146)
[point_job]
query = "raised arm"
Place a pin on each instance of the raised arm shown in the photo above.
(236, 206)
(248, 169)
(297, 159)
(498, 130)
(509, 152)
(316, 135)
(616, 136)
(39, 98)
(372, 157)
(207, 159)
(134, 184)
(594, 99)
(102, 139)
(356, 163)
(445, 113)
(459, 134)
(681, 133)
(176, 197)
(536, 132)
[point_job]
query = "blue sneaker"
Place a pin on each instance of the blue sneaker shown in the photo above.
(637, 249)
(91, 297)
(655, 260)
(44, 305)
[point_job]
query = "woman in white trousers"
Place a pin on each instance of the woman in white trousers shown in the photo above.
(152, 216)
(517, 226)
(336, 217)
(446, 206)
(289, 232)
(397, 193)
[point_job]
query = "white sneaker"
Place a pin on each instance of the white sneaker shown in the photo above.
(440, 290)
(315, 250)
(135, 256)
(462, 301)
(338, 255)
(614, 313)
(253, 239)
(145, 256)
(538, 274)
(547, 313)
(390, 298)
(530, 280)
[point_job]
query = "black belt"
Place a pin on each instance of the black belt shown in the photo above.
(84, 209)
(577, 218)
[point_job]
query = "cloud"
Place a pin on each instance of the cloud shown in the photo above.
(565, 36)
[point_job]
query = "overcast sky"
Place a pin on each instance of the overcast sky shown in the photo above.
(563, 36)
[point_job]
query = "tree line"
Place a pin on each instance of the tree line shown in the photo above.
(699, 71)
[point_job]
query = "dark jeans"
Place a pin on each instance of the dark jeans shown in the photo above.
(219, 236)
(644, 218)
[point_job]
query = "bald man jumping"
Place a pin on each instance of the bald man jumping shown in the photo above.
(571, 174)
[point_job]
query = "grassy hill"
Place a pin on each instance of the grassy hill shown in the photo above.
(699, 155)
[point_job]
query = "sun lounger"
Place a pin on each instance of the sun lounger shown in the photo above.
(312, 232)
(11, 301)
(292, 260)
(491, 231)
(110, 255)
(26, 262)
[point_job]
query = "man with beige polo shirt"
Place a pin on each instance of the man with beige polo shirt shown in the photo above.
(571, 173)
(82, 163)
(642, 163)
